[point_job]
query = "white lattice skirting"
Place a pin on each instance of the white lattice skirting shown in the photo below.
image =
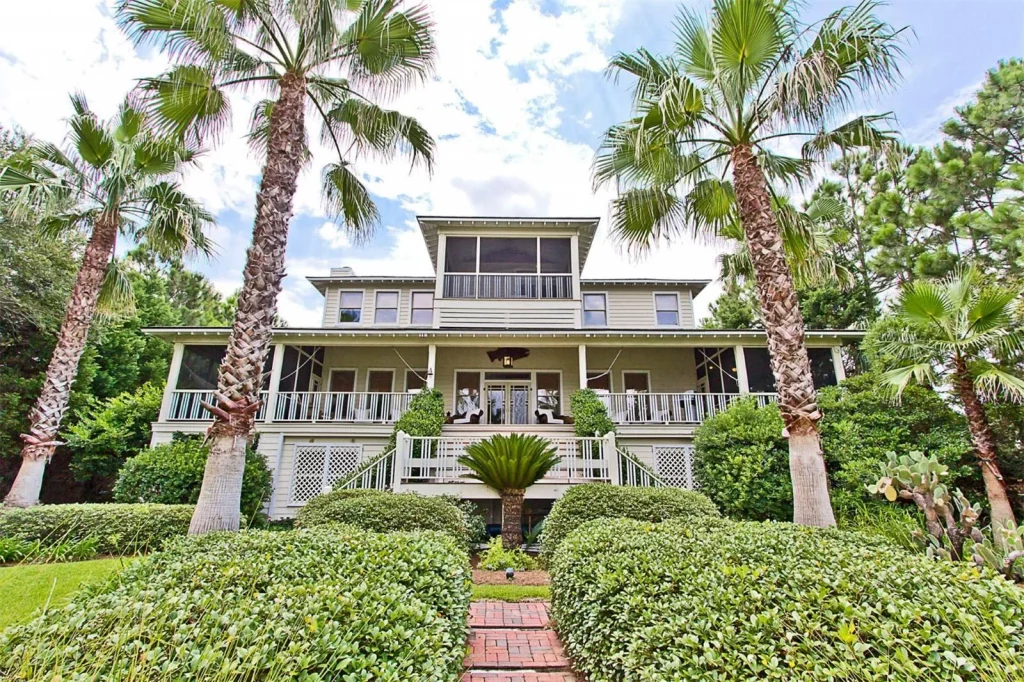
(316, 468)
(674, 464)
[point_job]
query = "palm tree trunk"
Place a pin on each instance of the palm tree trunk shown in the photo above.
(241, 372)
(512, 518)
(45, 420)
(784, 327)
(984, 448)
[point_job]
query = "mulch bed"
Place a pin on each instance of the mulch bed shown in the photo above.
(522, 578)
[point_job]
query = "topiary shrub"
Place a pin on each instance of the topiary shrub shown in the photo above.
(331, 603)
(771, 601)
(384, 512)
(590, 415)
(117, 528)
(173, 474)
(582, 503)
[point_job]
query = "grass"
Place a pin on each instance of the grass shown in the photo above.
(511, 593)
(27, 587)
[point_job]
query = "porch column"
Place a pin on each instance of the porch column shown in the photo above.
(402, 448)
(574, 260)
(275, 382)
(172, 381)
(741, 370)
(442, 247)
(583, 366)
(837, 362)
(431, 364)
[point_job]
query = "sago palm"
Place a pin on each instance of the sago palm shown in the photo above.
(330, 58)
(738, 82)
(509, 465)
(116, 177)
(954, 332)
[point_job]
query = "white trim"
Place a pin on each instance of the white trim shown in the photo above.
(277, 364)
(330, 377)
(583, 365)
(362, 308)
(742, 381)
(397, 308)
(413, 308)
(442, 254)
(679, 308)
(837, 362)
(431, 365)
(583, 310)
(371, 370)
(172, 380)
(624, 372)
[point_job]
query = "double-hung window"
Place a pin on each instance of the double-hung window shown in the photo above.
(595, 310)
(666, 309)
(422, 308)
(386, 310)
(350, 307)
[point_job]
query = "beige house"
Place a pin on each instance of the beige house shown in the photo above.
(507, 330)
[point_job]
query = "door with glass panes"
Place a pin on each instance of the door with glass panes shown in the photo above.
(508, 399)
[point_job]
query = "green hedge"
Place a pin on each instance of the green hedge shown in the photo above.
(332, 603)
(583, 503)
(173, 474)
(384, 512)
(117, 528)
(772, 601)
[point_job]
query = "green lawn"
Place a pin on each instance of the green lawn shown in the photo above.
(511, 592)
(25, 588)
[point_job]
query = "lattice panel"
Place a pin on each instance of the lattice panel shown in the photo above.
(316, 468)
(674, 464)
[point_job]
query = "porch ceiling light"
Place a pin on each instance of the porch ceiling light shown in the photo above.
(508, 355)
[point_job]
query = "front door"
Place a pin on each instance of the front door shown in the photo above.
(508, 402)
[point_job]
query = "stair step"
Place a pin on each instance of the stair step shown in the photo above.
(496, 614)
(516, 676)
(501, 649)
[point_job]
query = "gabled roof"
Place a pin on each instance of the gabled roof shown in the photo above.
(431, 225)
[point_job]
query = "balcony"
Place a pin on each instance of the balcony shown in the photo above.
(186, 406)
(672, 408)
(304, 406)
(508, 286)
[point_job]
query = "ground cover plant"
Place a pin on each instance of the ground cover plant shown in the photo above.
(497, 558)
(383, 512)
(328, 603)
(26, 588)
(510, 593)
(115, 528)
(590, 501)
(773, 601)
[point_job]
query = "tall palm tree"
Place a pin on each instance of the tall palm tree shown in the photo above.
(509, 465)
(116, 177)
(954, 332)
(328, 57)
(740, 81)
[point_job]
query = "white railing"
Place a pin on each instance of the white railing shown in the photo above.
(435, 460)
(374, 474)
(320, 406)
(672, 408)
(473, 285)
(633, 472)
(186, 406)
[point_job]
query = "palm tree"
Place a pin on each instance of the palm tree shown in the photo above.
(954, 332)
(321, 56)
(509, 465)
(117, 177)
(738, 83)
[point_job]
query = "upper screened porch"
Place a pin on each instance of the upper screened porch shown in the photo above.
(493, 380)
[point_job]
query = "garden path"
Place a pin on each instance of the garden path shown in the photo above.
(511, 642)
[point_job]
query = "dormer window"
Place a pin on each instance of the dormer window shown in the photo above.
(350, 307)
(595, 310)
(666, 309)
(386, 310)
(508, 267)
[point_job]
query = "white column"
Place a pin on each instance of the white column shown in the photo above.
(276, 474)
(431, 364)
(172, 381)
(275, 382)
(837, 362)
(741, 370)
(574, 260)
(442, 248)
(612, 457)
(583, 366)
(402, 443)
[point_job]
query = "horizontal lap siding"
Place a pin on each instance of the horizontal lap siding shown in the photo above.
(363, 358)
(633, 307)
(672, 370)
(332, 298)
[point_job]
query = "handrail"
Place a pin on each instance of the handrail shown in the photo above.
(673, 408)
(186, 405)
(373, 474)
(636, 473)
(341, 406)
(508, 285)
(435, 459)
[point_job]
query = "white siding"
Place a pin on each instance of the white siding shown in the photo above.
(332, 298)
(671, 370)
(632, 307)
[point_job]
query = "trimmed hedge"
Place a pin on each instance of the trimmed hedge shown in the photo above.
(173, 474)
(384, 512)
(117, 528)
(773, 601)
(589, 501)
(329, 603)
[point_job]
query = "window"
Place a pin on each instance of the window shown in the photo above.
(415, 381)
(350, 306)
(508, 255)
(460, 254)
(599, 381)
(343, 380)
(555, 256)
(549, 392)
(386, 310)
(666, 309)
(199, 365)
(638, 382)
(422, 308)
(467, 392)
(595, 310)
(380, 380)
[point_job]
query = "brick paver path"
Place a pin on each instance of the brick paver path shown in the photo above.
(512, 643)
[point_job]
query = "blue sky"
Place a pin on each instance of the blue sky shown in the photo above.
(518, 104)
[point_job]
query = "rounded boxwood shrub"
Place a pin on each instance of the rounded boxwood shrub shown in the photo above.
(116, 528)
(581, 503)
(774, 601)
(384, 512)
(173, 474)
(331, 603)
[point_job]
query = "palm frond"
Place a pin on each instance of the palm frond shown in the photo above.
(513, 462)
(746, 40)
(347, 201)
(784, 169)
(388, 50)
(924, 302)
(899, 378)
(259, 131)
(861, 132)
(642, 217)
(693, 46)
(92, 141)
(371, 129)
(993, 382)
(174, 223)
(991, 310)
(651, 72)
(116, 296)
(188, 30)
(186, 102)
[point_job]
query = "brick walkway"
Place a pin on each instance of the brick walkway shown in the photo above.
(512, 643)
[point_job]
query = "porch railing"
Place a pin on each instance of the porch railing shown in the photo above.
(516, 286)
(186, 406)
(321, 406)
(672, 408)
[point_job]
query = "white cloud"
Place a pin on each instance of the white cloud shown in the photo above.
(335, 237)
